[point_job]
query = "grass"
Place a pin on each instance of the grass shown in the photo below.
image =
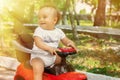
(86, 23)
(95, 56)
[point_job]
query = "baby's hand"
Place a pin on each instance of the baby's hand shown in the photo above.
(73, 46)
(53, 51)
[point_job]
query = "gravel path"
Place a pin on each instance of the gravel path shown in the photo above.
(9, 65)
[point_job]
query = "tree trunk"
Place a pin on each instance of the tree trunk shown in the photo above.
(72, 21)
(64, 15)
(100, 13)
(73, 26)
(110, 16)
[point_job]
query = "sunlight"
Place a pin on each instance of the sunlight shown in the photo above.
(5, 5)
(5, 29)
(1, 4)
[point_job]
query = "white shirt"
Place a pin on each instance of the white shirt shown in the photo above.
(50, 37)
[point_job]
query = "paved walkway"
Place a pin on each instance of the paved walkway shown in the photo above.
(7, 68)
(6, 74)
(92, 76)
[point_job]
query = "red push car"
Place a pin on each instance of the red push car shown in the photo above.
(63, 71)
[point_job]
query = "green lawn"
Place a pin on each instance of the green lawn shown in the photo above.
(86, 23)
(94, 56)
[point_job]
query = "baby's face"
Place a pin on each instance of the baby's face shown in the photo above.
(47, 18)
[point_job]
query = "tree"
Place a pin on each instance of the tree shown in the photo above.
(100, 13)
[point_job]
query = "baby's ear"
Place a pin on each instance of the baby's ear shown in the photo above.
(55, 20)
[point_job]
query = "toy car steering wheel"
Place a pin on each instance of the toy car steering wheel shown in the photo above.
(66, 51)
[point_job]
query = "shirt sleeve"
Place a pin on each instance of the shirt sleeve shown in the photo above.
(62, 34)
(37, 33)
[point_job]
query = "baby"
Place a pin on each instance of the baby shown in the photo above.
(46, 40)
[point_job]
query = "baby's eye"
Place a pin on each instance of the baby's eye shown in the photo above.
(44, 17)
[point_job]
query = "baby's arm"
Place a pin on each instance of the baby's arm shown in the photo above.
(67, 42)
(40, 44)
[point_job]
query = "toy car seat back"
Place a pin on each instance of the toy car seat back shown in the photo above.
(25, 39)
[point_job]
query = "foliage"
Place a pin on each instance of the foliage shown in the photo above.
(6, 37)
(92, 2)
(116, 4)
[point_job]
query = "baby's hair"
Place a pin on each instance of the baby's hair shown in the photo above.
(55, 8)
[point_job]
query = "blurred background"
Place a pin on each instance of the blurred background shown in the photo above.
(94, 25)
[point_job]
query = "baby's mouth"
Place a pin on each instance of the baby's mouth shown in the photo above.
(42, 23)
